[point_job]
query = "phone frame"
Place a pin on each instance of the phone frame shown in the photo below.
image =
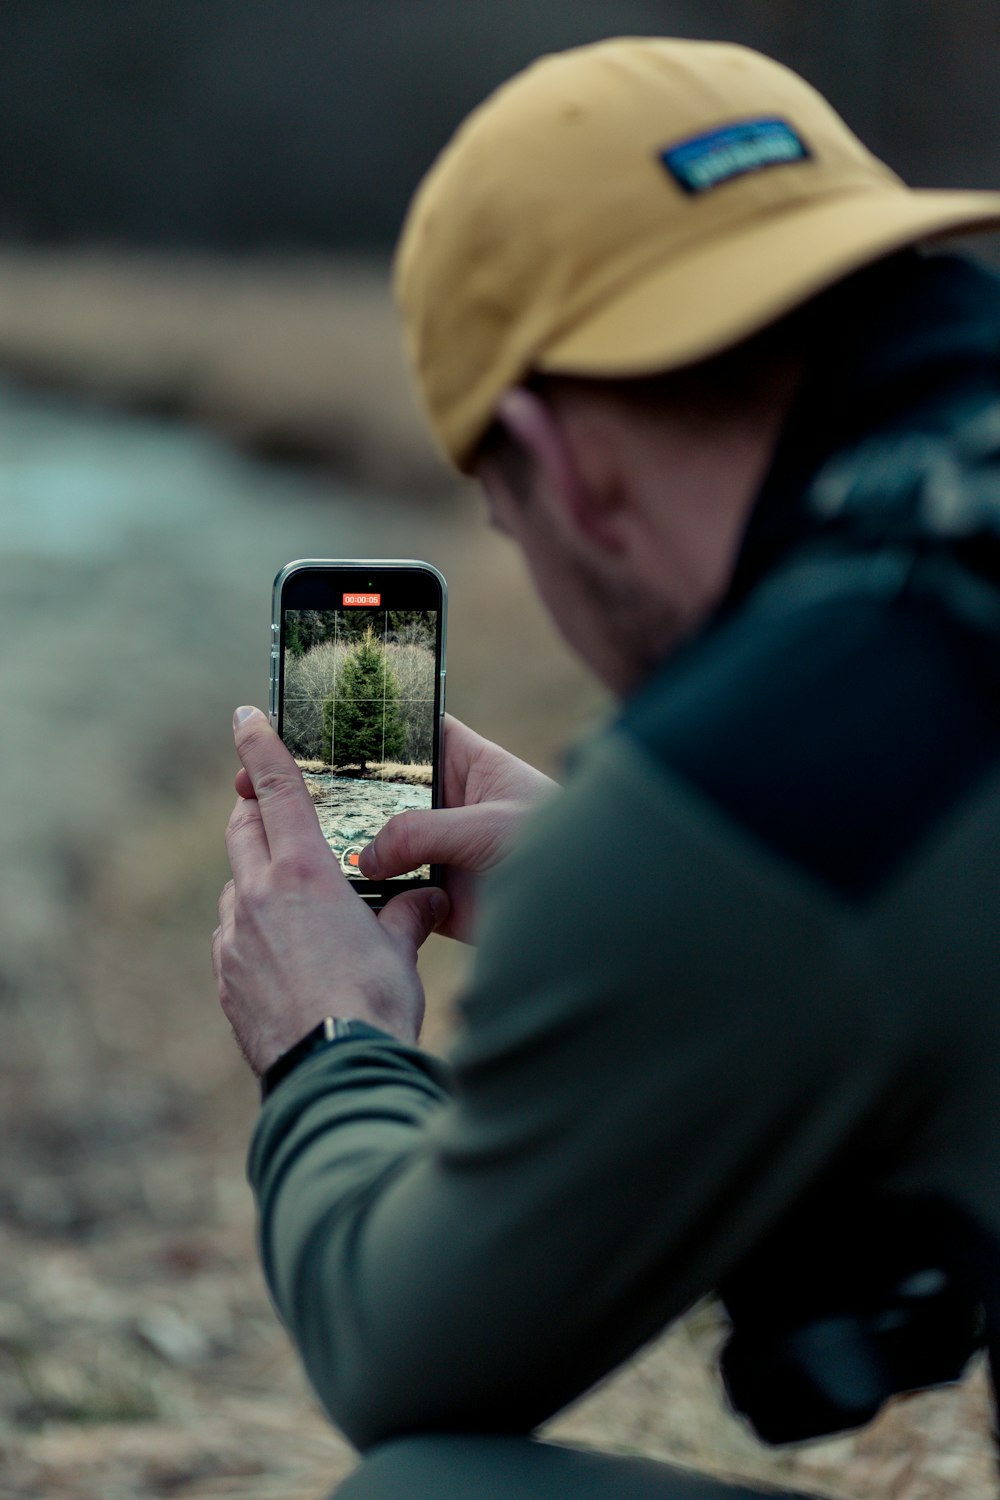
(374, 893)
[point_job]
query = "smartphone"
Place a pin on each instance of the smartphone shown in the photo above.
(357, 695)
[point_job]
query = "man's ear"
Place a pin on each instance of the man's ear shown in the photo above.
(540, 430)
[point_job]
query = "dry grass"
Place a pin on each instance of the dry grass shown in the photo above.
(290, 358)
(394, 770)
(378, 770)
(139, 1356)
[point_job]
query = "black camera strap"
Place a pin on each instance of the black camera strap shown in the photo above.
(901, 514)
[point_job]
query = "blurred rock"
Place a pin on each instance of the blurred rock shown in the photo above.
(172, 1336)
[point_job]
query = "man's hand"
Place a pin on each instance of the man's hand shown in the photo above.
(295, 943)
(487, 793)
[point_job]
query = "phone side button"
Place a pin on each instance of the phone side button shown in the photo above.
(443, 675)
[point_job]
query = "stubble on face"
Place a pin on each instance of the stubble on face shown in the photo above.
(620, 627)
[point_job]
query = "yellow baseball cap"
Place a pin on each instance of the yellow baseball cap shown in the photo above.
(634, 206)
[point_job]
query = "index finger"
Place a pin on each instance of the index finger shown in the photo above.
(286, 809)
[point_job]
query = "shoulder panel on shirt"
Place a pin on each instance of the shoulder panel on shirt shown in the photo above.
(838, 734)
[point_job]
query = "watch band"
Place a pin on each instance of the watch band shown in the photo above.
(331, 1030)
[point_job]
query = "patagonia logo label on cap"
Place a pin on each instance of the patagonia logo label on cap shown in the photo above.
(707, 161)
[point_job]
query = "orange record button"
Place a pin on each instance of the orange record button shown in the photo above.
(354, 859)
(362, 599)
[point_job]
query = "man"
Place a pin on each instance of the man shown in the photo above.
(660, 303)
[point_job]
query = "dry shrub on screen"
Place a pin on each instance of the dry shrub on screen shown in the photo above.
(413, 668)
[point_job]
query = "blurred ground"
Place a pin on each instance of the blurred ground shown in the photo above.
(138, 1354)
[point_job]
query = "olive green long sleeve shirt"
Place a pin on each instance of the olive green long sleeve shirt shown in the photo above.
(653, 1067)
(744, 966)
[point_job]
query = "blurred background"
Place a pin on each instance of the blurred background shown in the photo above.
(199, 380)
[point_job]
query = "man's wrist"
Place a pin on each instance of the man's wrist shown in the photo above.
(330, 1031)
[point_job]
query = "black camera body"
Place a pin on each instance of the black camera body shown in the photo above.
(839, 1311)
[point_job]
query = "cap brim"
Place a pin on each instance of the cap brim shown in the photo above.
(727, 290)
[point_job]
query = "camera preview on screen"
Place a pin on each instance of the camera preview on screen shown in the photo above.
(358, 715)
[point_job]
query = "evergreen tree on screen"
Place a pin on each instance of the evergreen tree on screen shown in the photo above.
(305, 628)
(294, 642)
(365, 720)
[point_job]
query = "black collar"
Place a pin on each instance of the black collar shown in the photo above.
(898, 349)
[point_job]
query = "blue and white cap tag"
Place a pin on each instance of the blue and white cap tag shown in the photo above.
(707, 161)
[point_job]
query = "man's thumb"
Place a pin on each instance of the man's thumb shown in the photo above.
(470, 838)
(413, 916)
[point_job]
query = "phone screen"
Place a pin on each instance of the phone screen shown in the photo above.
(357, 696)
